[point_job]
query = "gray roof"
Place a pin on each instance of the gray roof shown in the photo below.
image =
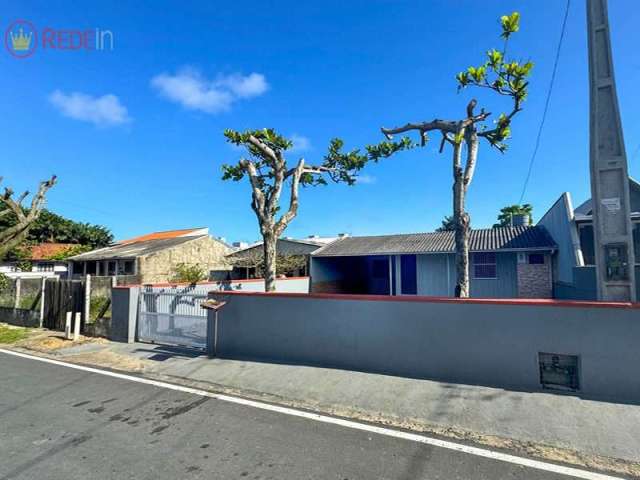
(132, 250)
(286, 246)
(490, 239)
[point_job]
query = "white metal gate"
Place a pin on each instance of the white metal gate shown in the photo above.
(172, 317)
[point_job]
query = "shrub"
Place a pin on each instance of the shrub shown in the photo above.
(185, 273)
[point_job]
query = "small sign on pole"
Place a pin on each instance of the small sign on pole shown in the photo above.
(214, 306)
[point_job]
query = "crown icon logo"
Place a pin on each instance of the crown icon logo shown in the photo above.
(21, 42)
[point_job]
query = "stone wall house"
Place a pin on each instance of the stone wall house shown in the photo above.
(153, 258)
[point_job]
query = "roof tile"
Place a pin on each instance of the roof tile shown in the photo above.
(490, 239)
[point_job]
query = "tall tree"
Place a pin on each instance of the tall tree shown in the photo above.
(448, 224)
(507, 78)
(22, 219)
(269, 173)
(51, 227)
(505, 218)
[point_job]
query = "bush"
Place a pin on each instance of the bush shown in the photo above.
(185, 273)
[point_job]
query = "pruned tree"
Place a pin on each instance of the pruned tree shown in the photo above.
(505, 218)
(506, 78)
(23, 218)
(269, 174)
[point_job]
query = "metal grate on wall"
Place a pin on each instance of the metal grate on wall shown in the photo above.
(559, 372)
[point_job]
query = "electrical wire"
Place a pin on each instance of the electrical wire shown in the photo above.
(546, 105)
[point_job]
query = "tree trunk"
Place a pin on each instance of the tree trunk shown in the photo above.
(461, 219)
(269, 273)
(8, 244)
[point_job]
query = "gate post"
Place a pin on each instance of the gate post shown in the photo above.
(42, 300)
(16, 303)
(87, 298)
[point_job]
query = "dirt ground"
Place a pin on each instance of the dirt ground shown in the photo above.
(45, 341)
(108, 359)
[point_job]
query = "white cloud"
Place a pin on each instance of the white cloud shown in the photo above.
(194, 92)
(366, 179)
(300, 143)
(252, 85)
(102, 111)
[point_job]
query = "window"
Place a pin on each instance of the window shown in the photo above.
(586, 244)
(484, 265)
(44, 267)
(536, 259)
(112, 268)
(126, 267)
(129, 267)
(408, 275)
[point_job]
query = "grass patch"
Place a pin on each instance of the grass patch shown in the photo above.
(12, 334)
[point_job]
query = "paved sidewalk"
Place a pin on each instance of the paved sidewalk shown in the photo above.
(553, 426)
(592, 427)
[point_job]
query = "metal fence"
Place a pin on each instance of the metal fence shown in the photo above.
(172, 316)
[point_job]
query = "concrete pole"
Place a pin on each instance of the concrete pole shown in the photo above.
(76, 327)
(16, 300)
(67, 326)
(42, 292)
(87, 297)
(613, 234)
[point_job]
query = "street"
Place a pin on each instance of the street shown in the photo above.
(62, 423)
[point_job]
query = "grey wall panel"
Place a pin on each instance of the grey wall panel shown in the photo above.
(486, 344)
(433, 278)
(506, 283)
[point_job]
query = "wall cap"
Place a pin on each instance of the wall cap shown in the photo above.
(219, 282)
(424, 299)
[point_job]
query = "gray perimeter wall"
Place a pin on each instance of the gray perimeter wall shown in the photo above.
(461, 342)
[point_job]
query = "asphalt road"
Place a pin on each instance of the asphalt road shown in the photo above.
(61, 423)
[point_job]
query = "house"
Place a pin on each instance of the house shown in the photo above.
(40, 262)
(153, 258)
(574, 263)
(246, 260)
(507, 262)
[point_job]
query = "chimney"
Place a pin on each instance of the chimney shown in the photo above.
(520, 220)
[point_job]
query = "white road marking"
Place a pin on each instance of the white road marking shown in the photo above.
(413, 437)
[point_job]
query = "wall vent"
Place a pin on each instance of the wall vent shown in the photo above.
(559, 372)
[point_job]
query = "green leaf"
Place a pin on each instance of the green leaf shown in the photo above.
(510, 24)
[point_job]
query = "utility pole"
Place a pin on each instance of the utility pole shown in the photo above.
(613, 234)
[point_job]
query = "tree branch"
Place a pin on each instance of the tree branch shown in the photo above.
(442, 125)
(286, 218)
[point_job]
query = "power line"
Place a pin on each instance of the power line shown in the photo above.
(546, 105)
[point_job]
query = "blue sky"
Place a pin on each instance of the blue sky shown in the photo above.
(135, 134)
